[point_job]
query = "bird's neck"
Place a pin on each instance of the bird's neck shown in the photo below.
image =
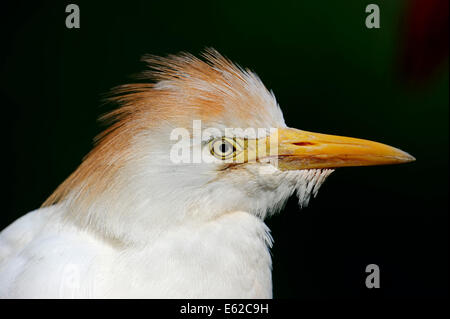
(227, 257)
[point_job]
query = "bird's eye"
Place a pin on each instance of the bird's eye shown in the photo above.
(223, 148)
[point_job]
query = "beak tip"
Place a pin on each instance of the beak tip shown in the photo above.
(411, 159)
(407, 158)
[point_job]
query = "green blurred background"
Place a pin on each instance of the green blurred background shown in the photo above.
(330, 74)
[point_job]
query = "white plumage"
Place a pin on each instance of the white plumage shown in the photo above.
(132, 223)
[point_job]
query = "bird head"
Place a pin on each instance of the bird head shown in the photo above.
(205, 138)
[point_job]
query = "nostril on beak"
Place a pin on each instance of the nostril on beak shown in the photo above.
(303, 143)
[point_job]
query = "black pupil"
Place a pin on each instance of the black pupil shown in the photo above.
(224, 147)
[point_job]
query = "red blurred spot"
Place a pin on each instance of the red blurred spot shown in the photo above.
(426, 32)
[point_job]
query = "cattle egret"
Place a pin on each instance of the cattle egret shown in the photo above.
(156, 210)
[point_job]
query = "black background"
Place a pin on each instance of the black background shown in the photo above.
(330, 74)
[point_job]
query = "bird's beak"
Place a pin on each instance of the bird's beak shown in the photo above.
(306, 150)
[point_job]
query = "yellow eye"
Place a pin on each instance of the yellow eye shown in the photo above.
(223, 148)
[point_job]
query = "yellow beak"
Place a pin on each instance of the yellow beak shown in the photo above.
(306, 150)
